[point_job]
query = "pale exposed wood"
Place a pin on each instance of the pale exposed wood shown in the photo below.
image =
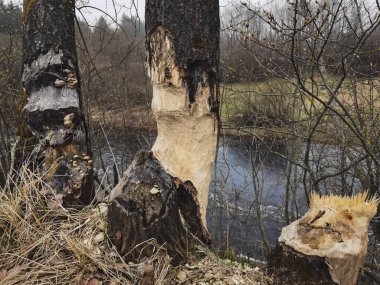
(187, 132)
(163, 195)
(328, 245)
(183, 58)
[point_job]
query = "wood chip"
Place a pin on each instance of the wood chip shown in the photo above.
(181, 276)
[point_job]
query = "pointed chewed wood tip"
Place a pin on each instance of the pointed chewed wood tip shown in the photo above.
(329, 242)
(361, 203)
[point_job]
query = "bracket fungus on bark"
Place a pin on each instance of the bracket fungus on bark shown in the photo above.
(328, 245)
(53, 111)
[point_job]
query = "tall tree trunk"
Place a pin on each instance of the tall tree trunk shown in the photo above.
(183, 58)
(164, 193)
(53, 111)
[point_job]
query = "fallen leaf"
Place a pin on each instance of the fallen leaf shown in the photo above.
(91, 281)
(181, 276)
(3, 274)
(230, 280)
(209, 275)
(99, 237)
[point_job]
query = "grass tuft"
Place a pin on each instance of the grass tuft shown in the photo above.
(43, 243)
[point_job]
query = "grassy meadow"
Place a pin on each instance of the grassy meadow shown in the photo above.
(277, 107)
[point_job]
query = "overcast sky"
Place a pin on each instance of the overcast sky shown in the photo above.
(115, 8)
(136, 7)
(131, 8)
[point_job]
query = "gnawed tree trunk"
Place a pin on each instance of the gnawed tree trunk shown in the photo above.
(165, 194)
(53, 111)
(328, 245)
(183, 58)
(148, 203)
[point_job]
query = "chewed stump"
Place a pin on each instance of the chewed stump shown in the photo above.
(328, 245)
(148, 203)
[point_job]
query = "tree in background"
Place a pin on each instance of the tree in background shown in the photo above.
(10, 81)
(317, 71)
(10, 20)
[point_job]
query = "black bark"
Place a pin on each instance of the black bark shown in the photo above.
(194, 28)
(53, 111)
(148, 204)
(286, 266)
(183, 55)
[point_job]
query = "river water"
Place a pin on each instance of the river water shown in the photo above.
(232, 211)
(248, 178)
(246, 201)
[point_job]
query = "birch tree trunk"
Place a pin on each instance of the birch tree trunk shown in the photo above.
(163, 195)
(53, 111)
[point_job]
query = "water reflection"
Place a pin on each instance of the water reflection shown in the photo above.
(247, 178)
(248, 190)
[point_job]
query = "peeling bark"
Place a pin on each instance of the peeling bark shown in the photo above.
(183, 59)
(328, 245)
(53, 111)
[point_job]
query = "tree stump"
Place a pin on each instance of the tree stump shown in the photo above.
(328, 245)
(148, 203)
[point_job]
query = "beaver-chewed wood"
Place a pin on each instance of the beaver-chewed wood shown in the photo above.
(148, 203)
(53, 108)
(327, 245)
(182, 48)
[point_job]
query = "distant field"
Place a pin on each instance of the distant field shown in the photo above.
(275, 104)
(240, 97)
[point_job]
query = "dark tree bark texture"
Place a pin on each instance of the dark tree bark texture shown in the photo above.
(183, 61)
(164, 193)
(288, 266)
(194, 29)
(53, 111)
(147, 204)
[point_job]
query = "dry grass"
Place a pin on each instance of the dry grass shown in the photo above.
(43, 243)
(278, 97)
